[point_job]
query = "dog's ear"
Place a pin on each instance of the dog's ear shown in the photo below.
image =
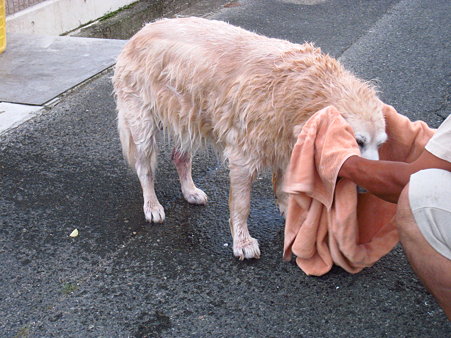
(298, 128)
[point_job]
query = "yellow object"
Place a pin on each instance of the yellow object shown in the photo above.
(2, 26)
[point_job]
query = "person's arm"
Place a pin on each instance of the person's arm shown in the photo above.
(386, 179)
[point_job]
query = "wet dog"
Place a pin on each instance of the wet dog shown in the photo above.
(206, 81)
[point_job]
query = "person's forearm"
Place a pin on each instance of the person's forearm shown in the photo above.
(385, 179)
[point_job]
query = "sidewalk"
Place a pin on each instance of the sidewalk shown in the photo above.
(37, 69)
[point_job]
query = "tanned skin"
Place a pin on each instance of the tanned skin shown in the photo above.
(386, 179)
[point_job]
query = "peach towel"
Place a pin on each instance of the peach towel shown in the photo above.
(327, 221)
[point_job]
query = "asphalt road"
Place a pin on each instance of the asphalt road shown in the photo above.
(121, 277)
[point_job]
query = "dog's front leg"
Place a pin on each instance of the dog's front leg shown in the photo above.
(281, 196)
(241, 178)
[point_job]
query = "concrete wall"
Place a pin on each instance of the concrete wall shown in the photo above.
(55, 17)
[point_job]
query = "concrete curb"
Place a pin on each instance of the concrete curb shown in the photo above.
(55, 17)
(127, 22)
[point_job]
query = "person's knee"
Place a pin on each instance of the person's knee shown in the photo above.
(423, 210)
(404, 216)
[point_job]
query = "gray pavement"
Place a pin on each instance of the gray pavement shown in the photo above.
(121, 277)
(35, 69)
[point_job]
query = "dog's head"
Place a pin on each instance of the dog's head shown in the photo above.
(369, 134)
(369, 130)
(362, 109)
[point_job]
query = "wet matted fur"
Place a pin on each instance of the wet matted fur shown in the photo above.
(205, 81)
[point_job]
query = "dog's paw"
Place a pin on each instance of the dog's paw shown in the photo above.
(195, 196)
(154, 212)
(246, 249)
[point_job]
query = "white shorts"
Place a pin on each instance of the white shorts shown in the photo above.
(430, 201)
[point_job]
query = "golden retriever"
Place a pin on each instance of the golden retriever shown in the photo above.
(205, 81)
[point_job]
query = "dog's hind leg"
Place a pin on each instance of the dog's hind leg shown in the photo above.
(183, 162)
(241, 178)
(145, 165)
(139, 145)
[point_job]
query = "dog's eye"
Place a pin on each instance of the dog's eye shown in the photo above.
(360, 143)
